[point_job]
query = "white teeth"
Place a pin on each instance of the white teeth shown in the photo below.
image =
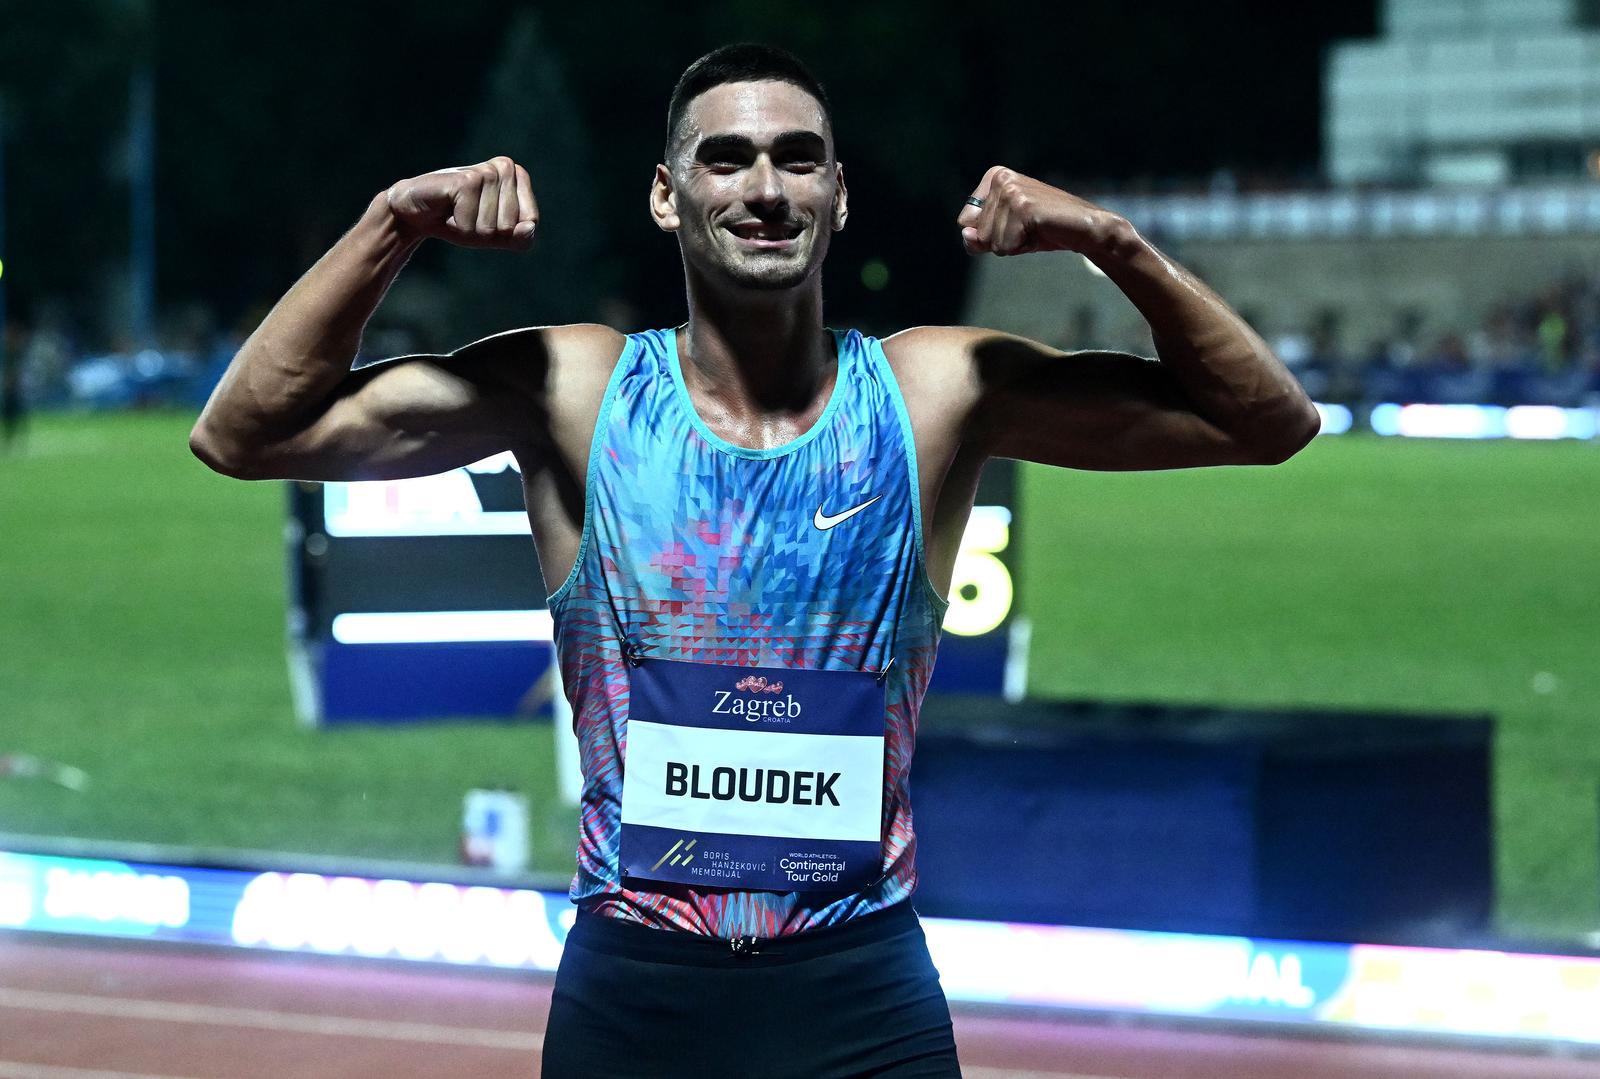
(765, 233)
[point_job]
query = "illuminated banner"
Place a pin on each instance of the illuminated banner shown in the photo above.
(449, 504)
(1415, 990)
(298, 912)
(1538, 422)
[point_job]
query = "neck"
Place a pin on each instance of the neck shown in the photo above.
(757, 352)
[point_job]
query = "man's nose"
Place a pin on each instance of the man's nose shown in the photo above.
(763, 185)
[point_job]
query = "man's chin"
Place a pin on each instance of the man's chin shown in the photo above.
(770, 282)
(769, 278)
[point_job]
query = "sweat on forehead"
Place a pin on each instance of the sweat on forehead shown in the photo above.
(759, 111)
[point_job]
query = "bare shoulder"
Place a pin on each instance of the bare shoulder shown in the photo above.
(588, 343)
(543, 361)
(559, 373)
(943, 348)
(942, 364)
(959, 344)
(929, 345)
(582, 357)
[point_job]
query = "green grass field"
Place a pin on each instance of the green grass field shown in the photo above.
(142, 602)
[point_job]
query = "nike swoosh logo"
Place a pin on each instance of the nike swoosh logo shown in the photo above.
(824, 522)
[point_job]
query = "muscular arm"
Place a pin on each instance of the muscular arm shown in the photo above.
(1216, 396)
(289, 405)
(417, 415)
(288, 372)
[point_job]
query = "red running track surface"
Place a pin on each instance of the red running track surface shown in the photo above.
(71, 1009)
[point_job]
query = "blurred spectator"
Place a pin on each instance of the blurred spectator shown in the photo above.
(1448, 353)
(1402, 344)
(130, 376)
(1553, 341)
(13, 396)
(1293, 348)
(46, 359)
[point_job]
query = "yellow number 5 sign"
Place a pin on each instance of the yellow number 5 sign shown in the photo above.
(981, 589)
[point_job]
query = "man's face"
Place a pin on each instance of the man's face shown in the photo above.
(752, 190)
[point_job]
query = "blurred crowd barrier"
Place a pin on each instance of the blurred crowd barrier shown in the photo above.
(151, 378)
(53, 374)
(1536, 348)
(1540, 348)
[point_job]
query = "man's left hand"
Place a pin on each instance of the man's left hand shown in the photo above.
(1020, 215)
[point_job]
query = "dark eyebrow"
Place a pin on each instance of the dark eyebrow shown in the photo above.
(715, 147)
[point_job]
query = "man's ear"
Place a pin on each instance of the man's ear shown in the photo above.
(663, 200)
(841, 198)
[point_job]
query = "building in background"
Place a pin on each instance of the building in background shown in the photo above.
(1467, 92)
(1450, 254)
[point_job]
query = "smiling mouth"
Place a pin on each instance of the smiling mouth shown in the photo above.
(762, 235)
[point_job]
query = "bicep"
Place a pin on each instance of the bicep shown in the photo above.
(413, 416)
(1103, 411)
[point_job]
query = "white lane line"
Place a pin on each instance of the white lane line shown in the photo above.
(210, 1014)
(381, 1029)
(1008, 1073)
(16, 1069)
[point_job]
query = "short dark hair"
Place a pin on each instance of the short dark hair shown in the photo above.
(745, 62)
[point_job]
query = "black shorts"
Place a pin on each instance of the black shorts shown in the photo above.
(856, 999)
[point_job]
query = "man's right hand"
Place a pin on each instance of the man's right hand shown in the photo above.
(485, 205)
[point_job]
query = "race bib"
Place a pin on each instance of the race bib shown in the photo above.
(761, 778)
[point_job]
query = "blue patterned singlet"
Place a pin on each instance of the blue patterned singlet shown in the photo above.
(710, 552)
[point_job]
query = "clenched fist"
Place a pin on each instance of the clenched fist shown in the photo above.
(1013, 214)
(485, 205)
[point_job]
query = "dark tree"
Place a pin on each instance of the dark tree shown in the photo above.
(528, 113)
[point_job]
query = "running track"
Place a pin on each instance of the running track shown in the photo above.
(76, 1010)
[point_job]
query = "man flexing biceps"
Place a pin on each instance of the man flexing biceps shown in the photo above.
(750, 522)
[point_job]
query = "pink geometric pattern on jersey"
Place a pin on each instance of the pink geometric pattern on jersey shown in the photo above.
(699, 550)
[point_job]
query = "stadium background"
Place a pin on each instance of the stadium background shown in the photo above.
(170, 168)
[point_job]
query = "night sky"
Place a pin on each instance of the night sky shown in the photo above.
(276, 124)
